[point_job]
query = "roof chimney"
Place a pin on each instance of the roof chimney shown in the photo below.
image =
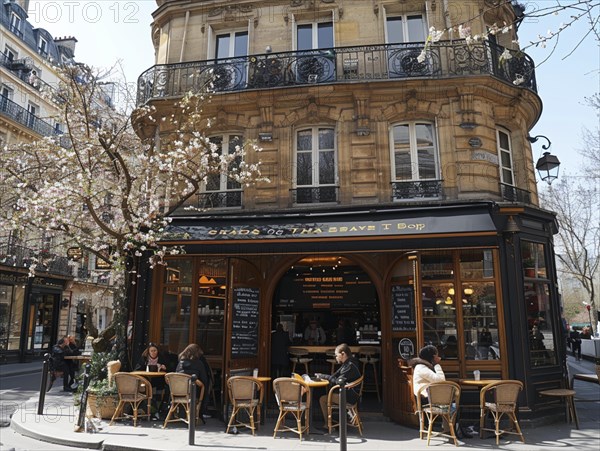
(67, 42)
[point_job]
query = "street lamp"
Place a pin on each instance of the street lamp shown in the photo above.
(548, 165)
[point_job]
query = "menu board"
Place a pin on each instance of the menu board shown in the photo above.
(244, 337)
(403, 308)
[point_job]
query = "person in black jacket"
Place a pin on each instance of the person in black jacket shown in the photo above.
(280, 361)
(60, 365)
(192, 361)
(349, 369)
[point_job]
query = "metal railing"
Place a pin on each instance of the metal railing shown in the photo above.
(315, 195)
(14, 255)
(513, 194)
(425, 189)
(19, 114)
(220, 199)
(338, 65)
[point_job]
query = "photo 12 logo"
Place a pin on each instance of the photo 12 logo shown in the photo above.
(89, 12)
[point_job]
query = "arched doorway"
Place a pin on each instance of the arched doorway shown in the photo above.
(322, 301)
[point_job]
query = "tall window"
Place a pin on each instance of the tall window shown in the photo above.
(314, 36)
(43, 46)
(15, 24)
(220, 189)
(10, 54)
(231, 74)
(405, 28)
(316, 164)
(505, 156)
(415, 168)
(6, 95)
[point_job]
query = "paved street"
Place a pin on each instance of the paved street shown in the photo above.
(57, 426)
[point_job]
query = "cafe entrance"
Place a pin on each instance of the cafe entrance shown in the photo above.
(323, 301)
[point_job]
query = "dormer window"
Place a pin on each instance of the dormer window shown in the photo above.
(15, 24)
(43, 46)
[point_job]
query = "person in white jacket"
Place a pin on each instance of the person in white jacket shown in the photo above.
(427, 368)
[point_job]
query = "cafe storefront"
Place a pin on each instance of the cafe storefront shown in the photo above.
(398, 278)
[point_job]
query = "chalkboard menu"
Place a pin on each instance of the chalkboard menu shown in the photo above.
(244, 337)
(403, 308)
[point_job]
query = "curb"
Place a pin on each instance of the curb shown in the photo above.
(19, 428)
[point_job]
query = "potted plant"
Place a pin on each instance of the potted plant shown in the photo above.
(102, 393)
(529, 267)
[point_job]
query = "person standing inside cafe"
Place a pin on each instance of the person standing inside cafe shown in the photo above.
(314, 334)
(350, 370)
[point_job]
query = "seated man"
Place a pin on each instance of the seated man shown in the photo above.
(349, 369)
(60, 365)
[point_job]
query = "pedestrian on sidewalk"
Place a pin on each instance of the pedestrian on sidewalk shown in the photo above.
(575, 338)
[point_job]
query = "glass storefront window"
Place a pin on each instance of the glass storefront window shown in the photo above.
(539, 323)
(476, 264)
(437, 266)
(439, 318)
(534, 263)
(179, 271)
(175, 324)
(480, 321)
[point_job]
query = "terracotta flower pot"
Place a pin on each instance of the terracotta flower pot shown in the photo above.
(105, 408)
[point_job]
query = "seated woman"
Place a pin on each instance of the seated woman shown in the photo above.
(153, 360)
(192, 361)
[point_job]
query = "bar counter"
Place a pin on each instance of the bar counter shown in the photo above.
(324, 348)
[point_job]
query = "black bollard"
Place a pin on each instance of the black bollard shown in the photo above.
(192, 423)
(80, 425)
(343, 441)
(44, 383)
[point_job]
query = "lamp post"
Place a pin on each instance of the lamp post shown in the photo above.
(548, 165)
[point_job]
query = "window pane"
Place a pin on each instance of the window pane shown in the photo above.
(480, 321)
(394, 30)
(241, 44)
(403, 165)
(416, 29)
(424, 134)
(326, 168)
(401, 136)
(437, 266)
(304, 140)
(476, 264)
(325, 33)
(439, 318)
(539, 318)
(505, 159)
(178, 271)
(426, 164)
(222, 47)
(176, 311)
(304, 169)
(326, 138)
(504, 142)
(304, 35)
(507, 177)
(534, 262)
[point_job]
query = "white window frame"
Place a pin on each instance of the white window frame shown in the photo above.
(223, 177)
(404, 17)
(504, 154)
(414, 151)
(15, 22)
(315, 151)
(9, 51)
(43, 46)
(315, 31)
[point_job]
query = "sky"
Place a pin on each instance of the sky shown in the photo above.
(119, 30)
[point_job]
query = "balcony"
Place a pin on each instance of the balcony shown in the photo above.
(19, 114)
(220, 199)
(428, 189)
(315, 195)
(337, 65)
(21, 256)
(513, 194)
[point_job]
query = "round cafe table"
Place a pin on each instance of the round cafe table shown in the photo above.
(312, 384)
(264, 383)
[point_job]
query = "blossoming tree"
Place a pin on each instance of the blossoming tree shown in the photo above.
(106, 190)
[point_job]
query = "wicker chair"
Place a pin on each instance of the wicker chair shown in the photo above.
(443, 403)
(133, 390)
(352, 409)
(504, 395)
(246, 394)
(299, 356)
(293, 398)
(179, 388)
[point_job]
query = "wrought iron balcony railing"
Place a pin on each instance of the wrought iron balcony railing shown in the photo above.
(220, 199)
(21, 256)
(22, 116)
(426, 189)
(513, 194)
(338, 65)
(315, 195)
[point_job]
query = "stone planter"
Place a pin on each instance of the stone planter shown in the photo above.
(101, 408)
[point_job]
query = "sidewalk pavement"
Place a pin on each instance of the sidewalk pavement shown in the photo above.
(58, 423)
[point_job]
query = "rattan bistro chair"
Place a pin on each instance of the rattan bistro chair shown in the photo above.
(246, 394)
(179, 388)
(352, 409)
(299, 357)
(293, 398)
(499, 399)
(133, 391)
(443, 400)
